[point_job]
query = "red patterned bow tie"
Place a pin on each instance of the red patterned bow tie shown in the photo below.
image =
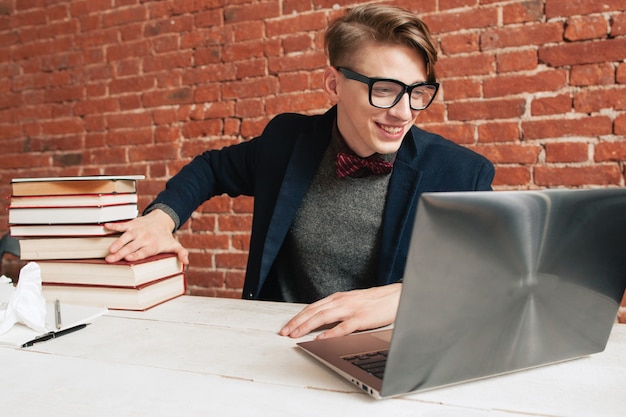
(348, 164)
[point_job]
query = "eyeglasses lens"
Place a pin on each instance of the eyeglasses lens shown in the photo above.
(385, 94)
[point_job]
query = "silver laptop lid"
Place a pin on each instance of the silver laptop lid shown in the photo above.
(502, 281)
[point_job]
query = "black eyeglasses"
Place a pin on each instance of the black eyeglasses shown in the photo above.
(385, 93)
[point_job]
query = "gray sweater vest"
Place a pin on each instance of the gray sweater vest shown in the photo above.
(333, 242)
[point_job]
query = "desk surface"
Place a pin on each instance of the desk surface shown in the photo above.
(197, 355)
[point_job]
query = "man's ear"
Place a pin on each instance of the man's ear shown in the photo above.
(330, 84)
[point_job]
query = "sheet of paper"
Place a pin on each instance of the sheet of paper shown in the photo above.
(71, 315)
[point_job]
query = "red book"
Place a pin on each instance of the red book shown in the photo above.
(141, 297)
(119, 274)
(75, 185)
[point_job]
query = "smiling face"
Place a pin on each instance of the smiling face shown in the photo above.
(367, 129)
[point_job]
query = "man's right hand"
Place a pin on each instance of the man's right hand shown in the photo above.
(145, 236)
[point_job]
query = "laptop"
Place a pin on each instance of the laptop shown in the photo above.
(495, 282)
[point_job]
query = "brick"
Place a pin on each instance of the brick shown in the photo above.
(293, 82)
(487, 109)
(592, 74)
(610, 151)
(204, 128)
(219, 109)
(231, 260)
(31, 18)
(593, 100)
(105, 105)
(121, 16)
(558, 128)
(253, 127)
(78, 8)
(258, 87)
(526, 35)
(62, 127)
(129, 120)
(498, 132)
(208, 18)
(167, 134)
(305, 61)
(136, 136)
(577, 176)
(297, 43)
(251, 68)
(518, 176)
(234, 279)
(127, 50)
(245, 31)
(131, 84)
(208, 55)
(106, 156)
(470, 18)
(12, 131)
(543, 106)
(244, 50)
(95, 123)
(435, 113)
(294, 6)
(167, 61)
(459, 42)
(461, 133)
(243, 204)
(559, 8)
(65, 28)
(173, 24)
(234, 223)
(155, 152)
(618, 25)
(467, 65)
(567, 152)
(455, 4)
(620, 75)
(253, 107)
(510, 153)
(458, 89)
(522, 12)
(518, 60)
(259, 11)
(296, 24)
(166, 43)
(168, 97)
(620, 125)
(577, 53)
(586, 27)
(298, 102)
(551, 80)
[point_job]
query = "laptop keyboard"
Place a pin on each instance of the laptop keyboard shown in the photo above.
(372, 362)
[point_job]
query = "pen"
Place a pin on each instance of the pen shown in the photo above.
(53, 335)
(57, 314)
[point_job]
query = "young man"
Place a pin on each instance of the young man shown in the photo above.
(334, 194)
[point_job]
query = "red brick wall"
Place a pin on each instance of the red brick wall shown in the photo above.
(138, 87)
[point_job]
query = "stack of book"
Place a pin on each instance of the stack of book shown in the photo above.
(59, 223)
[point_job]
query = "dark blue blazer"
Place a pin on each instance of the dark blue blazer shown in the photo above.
(278, 166)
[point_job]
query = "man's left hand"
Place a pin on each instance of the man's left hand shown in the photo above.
(352, 310)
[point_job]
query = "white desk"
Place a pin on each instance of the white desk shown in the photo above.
(207, 356)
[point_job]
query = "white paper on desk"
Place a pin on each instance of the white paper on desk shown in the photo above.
(71, 315)
(18, 332)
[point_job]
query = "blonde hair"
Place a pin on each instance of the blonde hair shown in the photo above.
(378, 23)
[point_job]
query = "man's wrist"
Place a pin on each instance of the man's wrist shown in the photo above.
(165, 214)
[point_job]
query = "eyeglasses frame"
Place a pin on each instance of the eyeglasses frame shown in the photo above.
(352, 75)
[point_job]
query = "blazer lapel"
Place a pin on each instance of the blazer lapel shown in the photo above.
(400, 209)
(307, 153)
